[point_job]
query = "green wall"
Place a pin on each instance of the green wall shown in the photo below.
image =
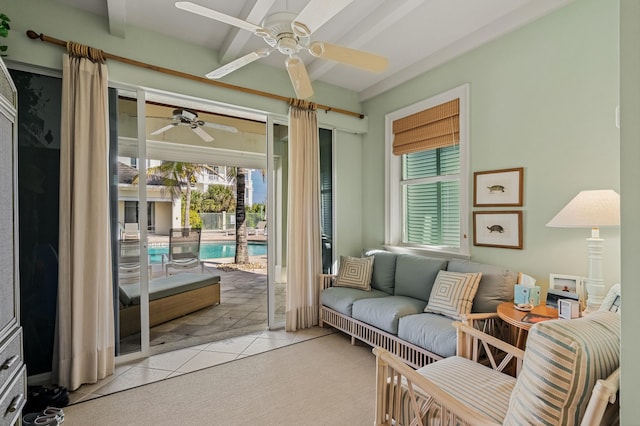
(543, 98)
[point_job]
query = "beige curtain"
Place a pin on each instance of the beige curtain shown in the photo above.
(84, 350)
(304, 259)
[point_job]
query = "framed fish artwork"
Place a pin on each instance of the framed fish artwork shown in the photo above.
(498, 229)
(498, 188)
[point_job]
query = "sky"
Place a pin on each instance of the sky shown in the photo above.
(259, 187)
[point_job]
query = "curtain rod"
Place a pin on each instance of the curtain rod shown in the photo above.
(33, 35)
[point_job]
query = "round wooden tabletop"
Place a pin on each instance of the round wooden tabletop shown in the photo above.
(511, 315)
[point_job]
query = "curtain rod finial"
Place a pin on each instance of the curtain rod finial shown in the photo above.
(33, 35)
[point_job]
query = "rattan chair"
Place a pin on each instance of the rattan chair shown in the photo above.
(568, 375)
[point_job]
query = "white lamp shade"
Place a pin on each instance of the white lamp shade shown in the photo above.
(589, 209)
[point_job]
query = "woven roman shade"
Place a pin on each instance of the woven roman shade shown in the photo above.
(432, 128)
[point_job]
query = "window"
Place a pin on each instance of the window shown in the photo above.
(427, 174)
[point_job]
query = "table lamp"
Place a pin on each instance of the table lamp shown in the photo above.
(591, 209)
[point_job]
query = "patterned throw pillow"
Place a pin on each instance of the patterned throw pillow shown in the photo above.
(452, 293)
(355, 272)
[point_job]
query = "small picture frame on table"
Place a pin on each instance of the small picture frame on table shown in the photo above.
(498, 229)
(565, 287)
(498, 188)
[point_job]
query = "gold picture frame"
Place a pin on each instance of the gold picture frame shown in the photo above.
(498, 188)
(501, 229)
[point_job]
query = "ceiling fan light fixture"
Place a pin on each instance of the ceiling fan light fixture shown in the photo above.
(287, 45)
(290, 33)
(185, 113)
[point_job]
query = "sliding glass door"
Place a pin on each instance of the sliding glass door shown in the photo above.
(130, 221)
(278, 171)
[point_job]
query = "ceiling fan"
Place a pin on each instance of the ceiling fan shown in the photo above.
(190, 118)
(289, 33)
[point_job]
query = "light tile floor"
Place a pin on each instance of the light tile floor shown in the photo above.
(234, 329)
(182, 361)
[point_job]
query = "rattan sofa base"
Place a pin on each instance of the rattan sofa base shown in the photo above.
(412, 355)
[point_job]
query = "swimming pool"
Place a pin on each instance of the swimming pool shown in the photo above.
(211, 250)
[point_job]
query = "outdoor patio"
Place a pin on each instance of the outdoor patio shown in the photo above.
(242, 309)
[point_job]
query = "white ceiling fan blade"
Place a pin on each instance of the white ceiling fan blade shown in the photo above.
(204, 135)
(213, 14)
(164, 129)
(221, 127)
(315, 14)
(239, 63)
(299, 77)
(345, 55)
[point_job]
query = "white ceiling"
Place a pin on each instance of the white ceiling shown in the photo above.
(415, 35)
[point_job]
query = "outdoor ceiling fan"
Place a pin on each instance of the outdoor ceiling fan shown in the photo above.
(190, 118)
(289, 33)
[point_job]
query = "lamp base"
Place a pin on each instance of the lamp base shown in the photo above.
(594, 283)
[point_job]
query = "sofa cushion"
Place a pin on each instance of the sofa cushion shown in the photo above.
(384, 270)
(496, 284)
(452, 293)
(355, 272)
(341, 299)
(563, 361)
(384, 313)
(415, 275)
(432, 332)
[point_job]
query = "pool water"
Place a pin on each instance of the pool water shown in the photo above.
(211, 250)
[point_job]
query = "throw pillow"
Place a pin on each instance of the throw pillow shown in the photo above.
(355, 272)
(452, 293)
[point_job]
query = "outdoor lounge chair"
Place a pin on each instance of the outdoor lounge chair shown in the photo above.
(261, 228)
(129, 261)
(131, 231)
(184, 250)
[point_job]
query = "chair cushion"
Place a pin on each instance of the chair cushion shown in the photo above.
(166, 286)
(415, 275)
(385, 312)
(355, 272)
(341, 299)
(496, 284)
(384, 270)
(432, 332)
(478, 387)
(452, 293)
(563, 361)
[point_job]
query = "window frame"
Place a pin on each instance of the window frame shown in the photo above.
(394, 215)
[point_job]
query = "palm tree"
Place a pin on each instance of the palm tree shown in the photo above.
(175, 176)
(238, 175)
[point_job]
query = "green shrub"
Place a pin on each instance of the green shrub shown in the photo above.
(195, 220)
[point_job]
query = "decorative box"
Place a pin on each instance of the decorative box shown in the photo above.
(526, 294)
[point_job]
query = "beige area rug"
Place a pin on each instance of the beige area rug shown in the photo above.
(323, 381)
